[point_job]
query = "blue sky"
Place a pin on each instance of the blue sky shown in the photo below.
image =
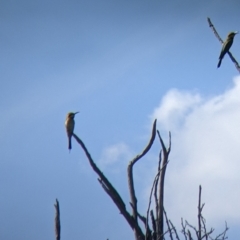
(121, 64)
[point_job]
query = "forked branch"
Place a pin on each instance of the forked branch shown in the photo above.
(130, 178)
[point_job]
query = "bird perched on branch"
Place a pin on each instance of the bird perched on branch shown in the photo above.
(69, 124)
(226, 46)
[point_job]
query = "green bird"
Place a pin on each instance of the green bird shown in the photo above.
(226, 46)
(69, 124)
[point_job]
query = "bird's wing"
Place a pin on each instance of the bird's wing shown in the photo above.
(225, 48)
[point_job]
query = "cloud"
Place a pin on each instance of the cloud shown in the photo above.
(205, 150)
(115, 155)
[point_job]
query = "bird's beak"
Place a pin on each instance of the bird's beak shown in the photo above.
(236, 32)
(76, 113)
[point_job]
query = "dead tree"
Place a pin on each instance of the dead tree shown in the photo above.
(133, 218)
(157, 215)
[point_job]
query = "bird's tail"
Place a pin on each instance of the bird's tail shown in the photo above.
(69, 143)
(219, 63)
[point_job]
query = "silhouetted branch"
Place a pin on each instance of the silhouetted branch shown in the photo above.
(107, 186)
(168, 225)
(222, 236)
(131, 184)
(157, 232)
(156, 185)
(153, 225)
(201, 232)
(174, 230)
(192, 227)
(57, 221)
(184, 232)
(165, 154)
(199, 214)
(220, 40)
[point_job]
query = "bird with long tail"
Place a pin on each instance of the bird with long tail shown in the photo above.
(226, 46)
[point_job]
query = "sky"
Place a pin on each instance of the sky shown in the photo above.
(121, 64)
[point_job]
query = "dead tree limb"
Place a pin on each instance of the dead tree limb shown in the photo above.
(156, 185)
(201, 231)
(131, 183)
(220, 40)
(174, 230)
(160, 215)
(200, 207)
(154, 236)
(110, 190)
(57, 221)
(168, 225)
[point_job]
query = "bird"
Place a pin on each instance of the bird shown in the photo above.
(69, 124)
(226, 46)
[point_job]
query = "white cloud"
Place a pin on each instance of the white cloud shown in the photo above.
(206, 151)
(118, 153)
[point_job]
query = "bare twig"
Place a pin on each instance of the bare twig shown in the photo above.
(191, 226)
(222, 236)
(206, 234)
(220, 40)
(153, 224)
(168, 224)
(174, 229)
(130, 177)
(184, 232)
(57, 221)
(189, 235)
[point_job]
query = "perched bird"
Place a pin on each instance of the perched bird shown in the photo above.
(226, 46)
(69, 124)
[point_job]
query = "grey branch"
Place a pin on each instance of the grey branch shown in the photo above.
(138, 232)
(57, 221)
(160, 215)
(110, 190)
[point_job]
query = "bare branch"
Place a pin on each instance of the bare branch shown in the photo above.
(174, 229)
(165, 153)
(222, 236)
(153, 224)
(57, 221)
(189, 235)
(195, 230)
(149, 202)
(156, 186)
(199, 214)
(110, 190)
(184, 229)
(130, 177)
(220, 40)
(168, 224)
(150, 197)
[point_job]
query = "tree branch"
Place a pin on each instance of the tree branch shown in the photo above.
(107, 186)
(130, 179)
(57, 221)
(165, 153)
